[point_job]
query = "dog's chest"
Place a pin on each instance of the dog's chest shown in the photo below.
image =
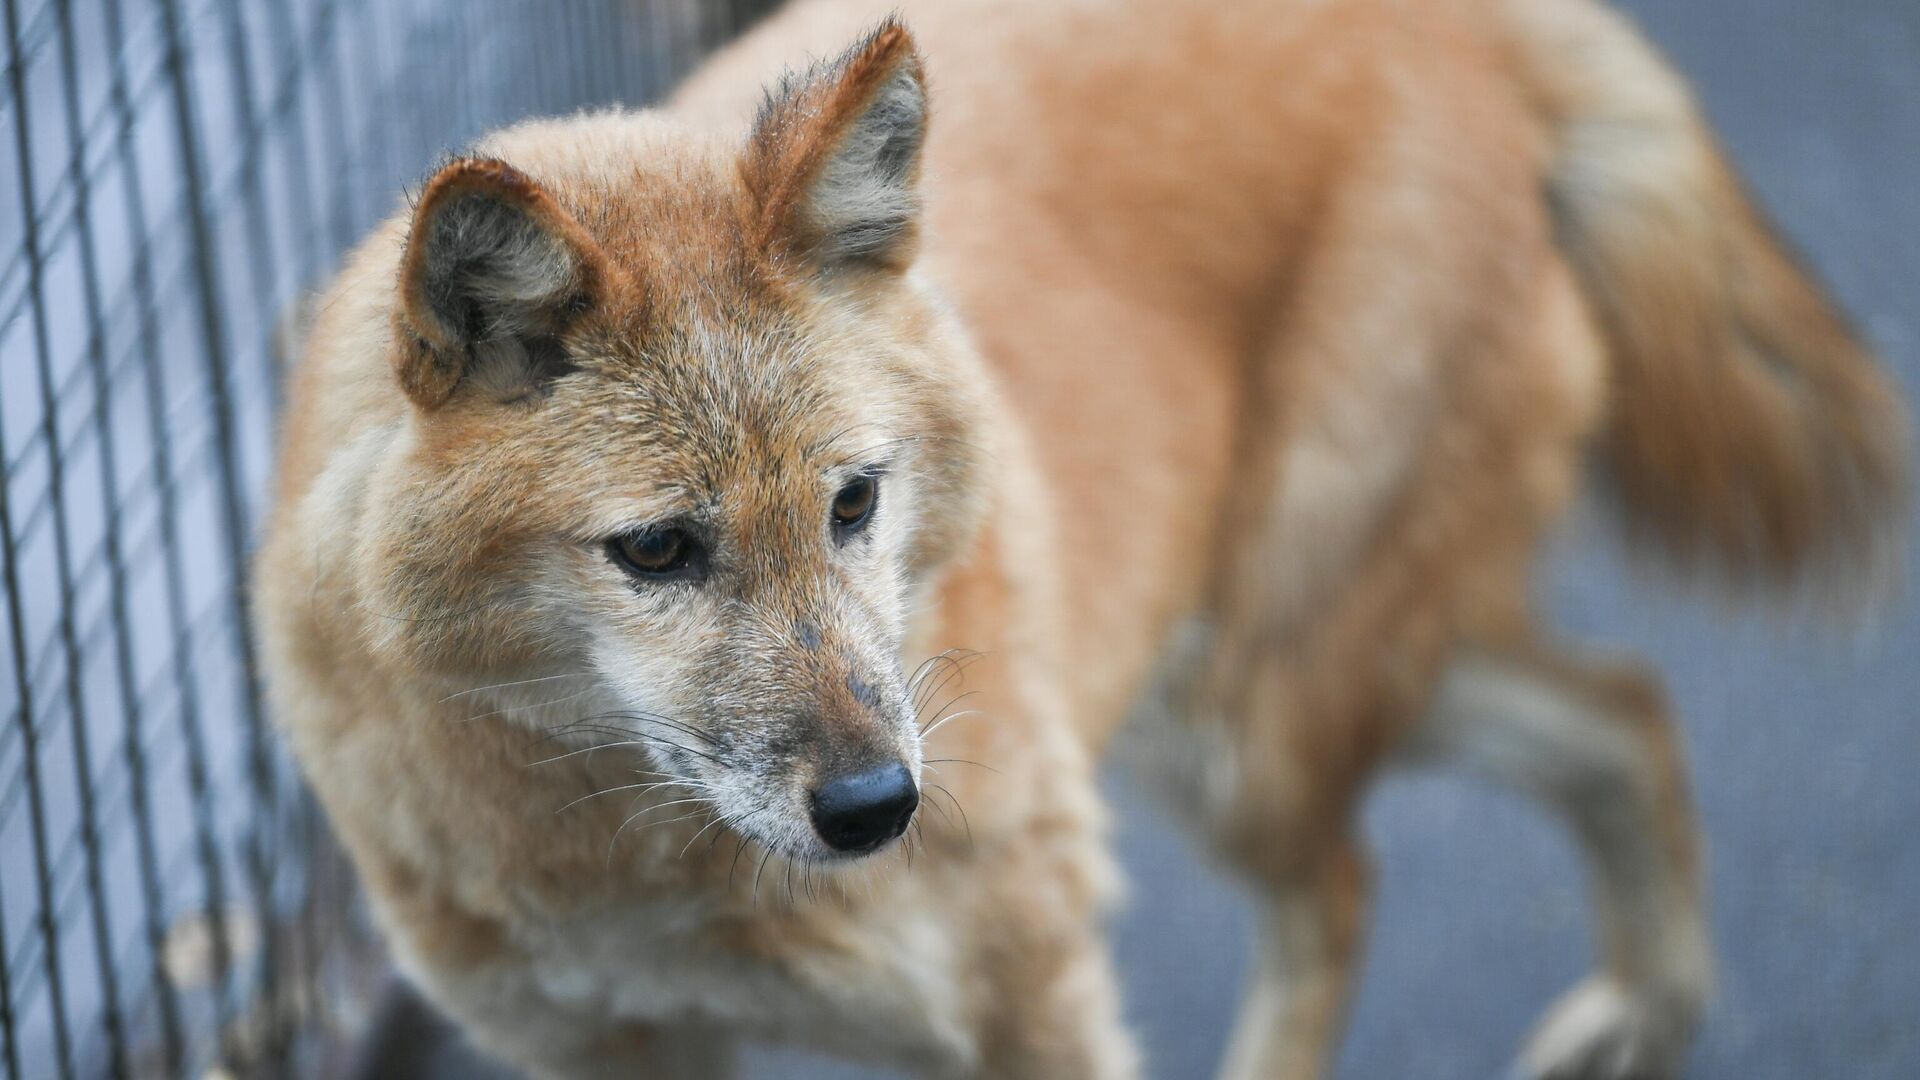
(881, 985)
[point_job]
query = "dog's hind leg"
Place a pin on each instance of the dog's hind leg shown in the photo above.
(1593, 743)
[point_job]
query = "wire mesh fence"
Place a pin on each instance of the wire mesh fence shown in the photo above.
(175, 175)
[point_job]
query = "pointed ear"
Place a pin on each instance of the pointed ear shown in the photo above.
(835, 158)
(494, 271)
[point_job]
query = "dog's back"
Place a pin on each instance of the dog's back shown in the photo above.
(1203, 245)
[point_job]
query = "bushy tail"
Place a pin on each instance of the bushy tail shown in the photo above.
(1750, 430)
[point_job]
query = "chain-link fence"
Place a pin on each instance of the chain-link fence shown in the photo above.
(175, 175)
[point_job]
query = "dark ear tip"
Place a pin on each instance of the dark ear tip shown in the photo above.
(890, 34)
(478, 175)
(891, 44)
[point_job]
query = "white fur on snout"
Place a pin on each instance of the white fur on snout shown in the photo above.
(654, 694)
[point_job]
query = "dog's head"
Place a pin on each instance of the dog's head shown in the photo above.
(684, 420)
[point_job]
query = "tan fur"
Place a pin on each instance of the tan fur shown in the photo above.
(1229, 375)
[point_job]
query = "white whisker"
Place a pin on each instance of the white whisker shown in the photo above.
(943, 721)
(678, 781)
(513, 683)
(642, 741)
(503, 710)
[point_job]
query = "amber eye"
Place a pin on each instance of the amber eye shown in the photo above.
(854, 503)
(665, 552)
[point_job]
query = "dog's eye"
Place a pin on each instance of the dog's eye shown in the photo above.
(665, 552)
(853, 504)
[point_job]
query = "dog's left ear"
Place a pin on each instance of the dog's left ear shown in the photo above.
(834, 160)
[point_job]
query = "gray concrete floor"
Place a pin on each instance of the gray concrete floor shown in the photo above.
(1803, 750)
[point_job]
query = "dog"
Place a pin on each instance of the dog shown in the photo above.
(714, 546)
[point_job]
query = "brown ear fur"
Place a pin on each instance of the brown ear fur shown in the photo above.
(809, 121)
(489, 255)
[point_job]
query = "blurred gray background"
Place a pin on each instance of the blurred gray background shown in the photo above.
(1803, 748)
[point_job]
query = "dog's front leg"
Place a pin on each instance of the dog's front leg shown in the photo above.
(642, 1051)
(499, 1009)
(1054, 1012)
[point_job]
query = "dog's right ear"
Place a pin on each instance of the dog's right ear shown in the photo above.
(494, 272)
(834, 160)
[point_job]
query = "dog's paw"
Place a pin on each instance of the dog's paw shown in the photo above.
(1601, 1030)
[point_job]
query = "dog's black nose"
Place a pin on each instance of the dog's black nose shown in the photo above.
(862, 810)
